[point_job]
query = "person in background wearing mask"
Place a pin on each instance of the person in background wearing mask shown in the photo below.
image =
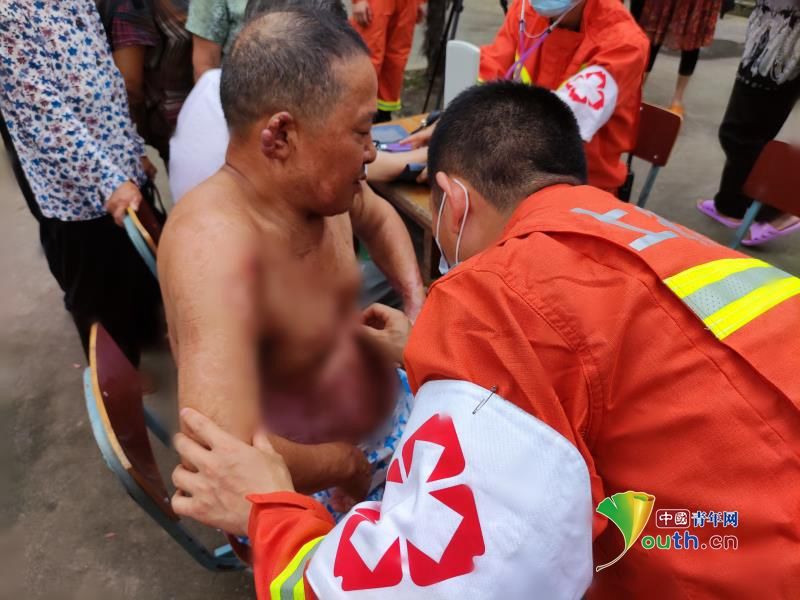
(593, 55)
(538, 400)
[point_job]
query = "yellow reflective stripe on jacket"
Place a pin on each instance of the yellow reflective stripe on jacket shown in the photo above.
(728, 294)
(739, 313)
(389, 106)
(289, 584)
(524, 75)
(689, 281)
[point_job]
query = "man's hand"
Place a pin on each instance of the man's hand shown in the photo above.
(354, 490)
(149, 168)
(227, 471)
(387, 329)
(422, 10)
(124, 196)
(421, 138)
(362, 13)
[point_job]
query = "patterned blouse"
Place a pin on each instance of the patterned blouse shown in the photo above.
(65, 106)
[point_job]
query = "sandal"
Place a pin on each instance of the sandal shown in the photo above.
(708, 209)
(761, 233)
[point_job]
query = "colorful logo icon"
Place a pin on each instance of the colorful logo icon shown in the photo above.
(630, 512)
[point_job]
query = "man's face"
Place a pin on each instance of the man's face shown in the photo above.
(334, 152)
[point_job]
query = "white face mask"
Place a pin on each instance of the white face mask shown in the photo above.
(444, 265)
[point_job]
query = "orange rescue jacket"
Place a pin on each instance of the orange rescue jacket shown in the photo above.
(669, 362)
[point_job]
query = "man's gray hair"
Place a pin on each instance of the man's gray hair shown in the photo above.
(284, 60)
(256, 8)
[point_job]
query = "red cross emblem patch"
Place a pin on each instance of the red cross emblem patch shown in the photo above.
(587, 88)
(425, 499)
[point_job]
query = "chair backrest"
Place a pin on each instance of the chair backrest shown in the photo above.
(461, 68)
(147, 223)
(144, 230)
(117, 394)
(775, 178)
(658, 130)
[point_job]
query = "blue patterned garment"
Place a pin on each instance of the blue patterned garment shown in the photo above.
(380, 448)
(65, 106)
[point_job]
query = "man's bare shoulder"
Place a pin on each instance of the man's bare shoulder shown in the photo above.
(209, 231)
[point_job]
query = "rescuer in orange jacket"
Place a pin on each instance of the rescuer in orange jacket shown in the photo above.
(594, 59)
(581, 353)
(387, 27)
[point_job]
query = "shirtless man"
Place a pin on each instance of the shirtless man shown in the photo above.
(257, 265)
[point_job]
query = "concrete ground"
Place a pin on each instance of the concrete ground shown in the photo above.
(70, 531)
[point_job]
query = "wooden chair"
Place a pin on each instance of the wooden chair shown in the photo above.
(144, 230)
(658, 130)
(775, 181)
(114, 400)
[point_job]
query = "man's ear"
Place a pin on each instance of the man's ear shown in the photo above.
(275, 135)
(456, 200)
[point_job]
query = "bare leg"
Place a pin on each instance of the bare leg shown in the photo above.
(680, 90)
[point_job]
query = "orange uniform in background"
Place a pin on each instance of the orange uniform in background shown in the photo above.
(389, 36)
(597, 71)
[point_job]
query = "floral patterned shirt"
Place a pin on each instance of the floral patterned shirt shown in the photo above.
(65, 106)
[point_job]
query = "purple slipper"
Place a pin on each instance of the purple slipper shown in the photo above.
(708, 209)
(760, 233)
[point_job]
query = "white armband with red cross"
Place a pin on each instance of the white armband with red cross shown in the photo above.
(482, 500)
(591, 94)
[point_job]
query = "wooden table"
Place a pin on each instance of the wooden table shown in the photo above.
(413, 201)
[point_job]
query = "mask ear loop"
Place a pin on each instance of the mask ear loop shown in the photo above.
(463, 221)
(439, 224)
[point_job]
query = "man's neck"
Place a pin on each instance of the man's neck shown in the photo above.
(272, 197)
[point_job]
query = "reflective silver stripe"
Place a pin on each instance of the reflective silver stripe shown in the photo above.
(614, 217)
(287, 589)
(715, 296)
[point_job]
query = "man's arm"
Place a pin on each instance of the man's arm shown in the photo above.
(389, 165)
(381, 229)
(206, 55)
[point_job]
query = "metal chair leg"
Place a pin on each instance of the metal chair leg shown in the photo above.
(648, 185)
(747, 221)
(210, 559)
(156, 428)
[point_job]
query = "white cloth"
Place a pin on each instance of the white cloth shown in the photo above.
(591, 94)
(197, 148)
(490, 503)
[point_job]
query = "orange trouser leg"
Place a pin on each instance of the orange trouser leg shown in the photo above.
(375, 34)
(398, 47)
